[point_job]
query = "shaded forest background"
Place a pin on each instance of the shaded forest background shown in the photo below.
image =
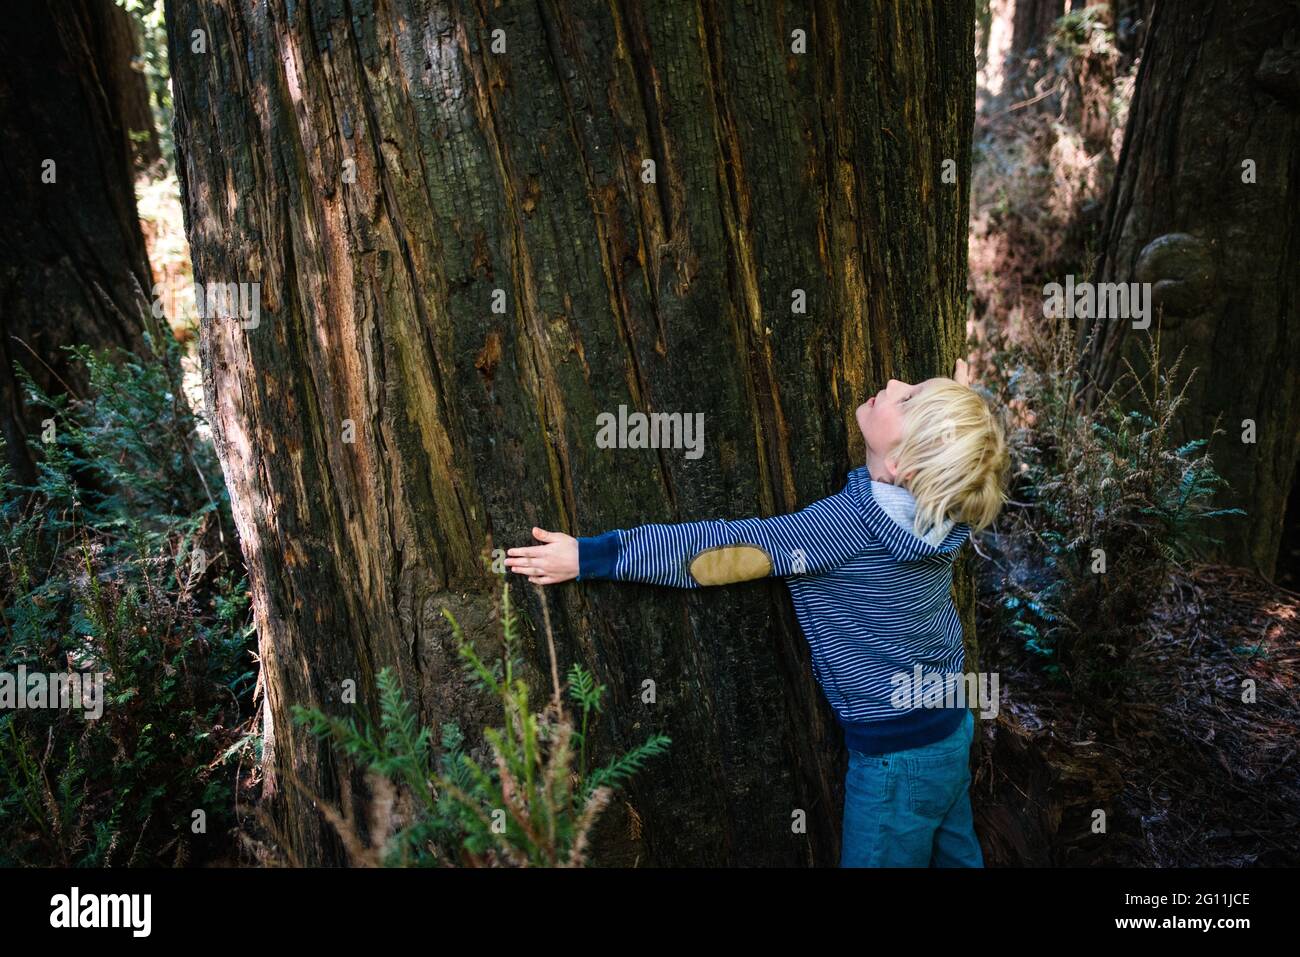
(1124, 691)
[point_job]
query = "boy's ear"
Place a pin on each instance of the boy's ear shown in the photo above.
(961, 373)
(892, 476)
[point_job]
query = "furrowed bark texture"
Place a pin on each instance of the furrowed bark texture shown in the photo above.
(1219, 85)
(521, 171)
(73, 269)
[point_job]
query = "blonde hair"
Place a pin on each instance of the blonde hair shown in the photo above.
(952, 457)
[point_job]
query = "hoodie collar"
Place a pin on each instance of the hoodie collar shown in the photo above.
(888, 511)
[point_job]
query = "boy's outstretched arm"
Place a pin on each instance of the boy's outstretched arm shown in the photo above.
(713, 552)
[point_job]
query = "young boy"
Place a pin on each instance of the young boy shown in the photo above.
(869, 571)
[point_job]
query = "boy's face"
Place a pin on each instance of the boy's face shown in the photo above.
(881, 420)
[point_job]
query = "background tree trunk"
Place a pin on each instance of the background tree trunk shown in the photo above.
(1131, 19)
(1032, 24)
(123, 43)
(72, 259)
(521, 171)
(1026, 60)
(1219, 85)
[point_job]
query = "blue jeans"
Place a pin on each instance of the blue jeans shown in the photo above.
(911, 808)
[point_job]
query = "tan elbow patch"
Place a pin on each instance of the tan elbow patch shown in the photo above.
(730, 563)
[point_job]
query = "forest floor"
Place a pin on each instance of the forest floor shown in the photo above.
(1185, 771)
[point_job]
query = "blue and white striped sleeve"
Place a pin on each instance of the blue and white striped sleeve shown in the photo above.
(814, 539)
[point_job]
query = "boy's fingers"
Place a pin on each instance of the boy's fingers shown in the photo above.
(531, 568)
(526, 551)
(541, 534)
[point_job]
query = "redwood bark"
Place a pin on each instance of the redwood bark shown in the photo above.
(521, 171)
(1219, 85)
(72, 259)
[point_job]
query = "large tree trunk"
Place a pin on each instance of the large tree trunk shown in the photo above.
(521, 171)
(1219, 86)
(72, 258)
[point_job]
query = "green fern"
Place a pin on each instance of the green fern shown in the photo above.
(89, 577)
(464, 815)
(616, 773)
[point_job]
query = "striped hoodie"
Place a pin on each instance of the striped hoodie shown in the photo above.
(873, 599)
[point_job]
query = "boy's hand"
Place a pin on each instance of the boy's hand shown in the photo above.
(961, 374)
(556, 561)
